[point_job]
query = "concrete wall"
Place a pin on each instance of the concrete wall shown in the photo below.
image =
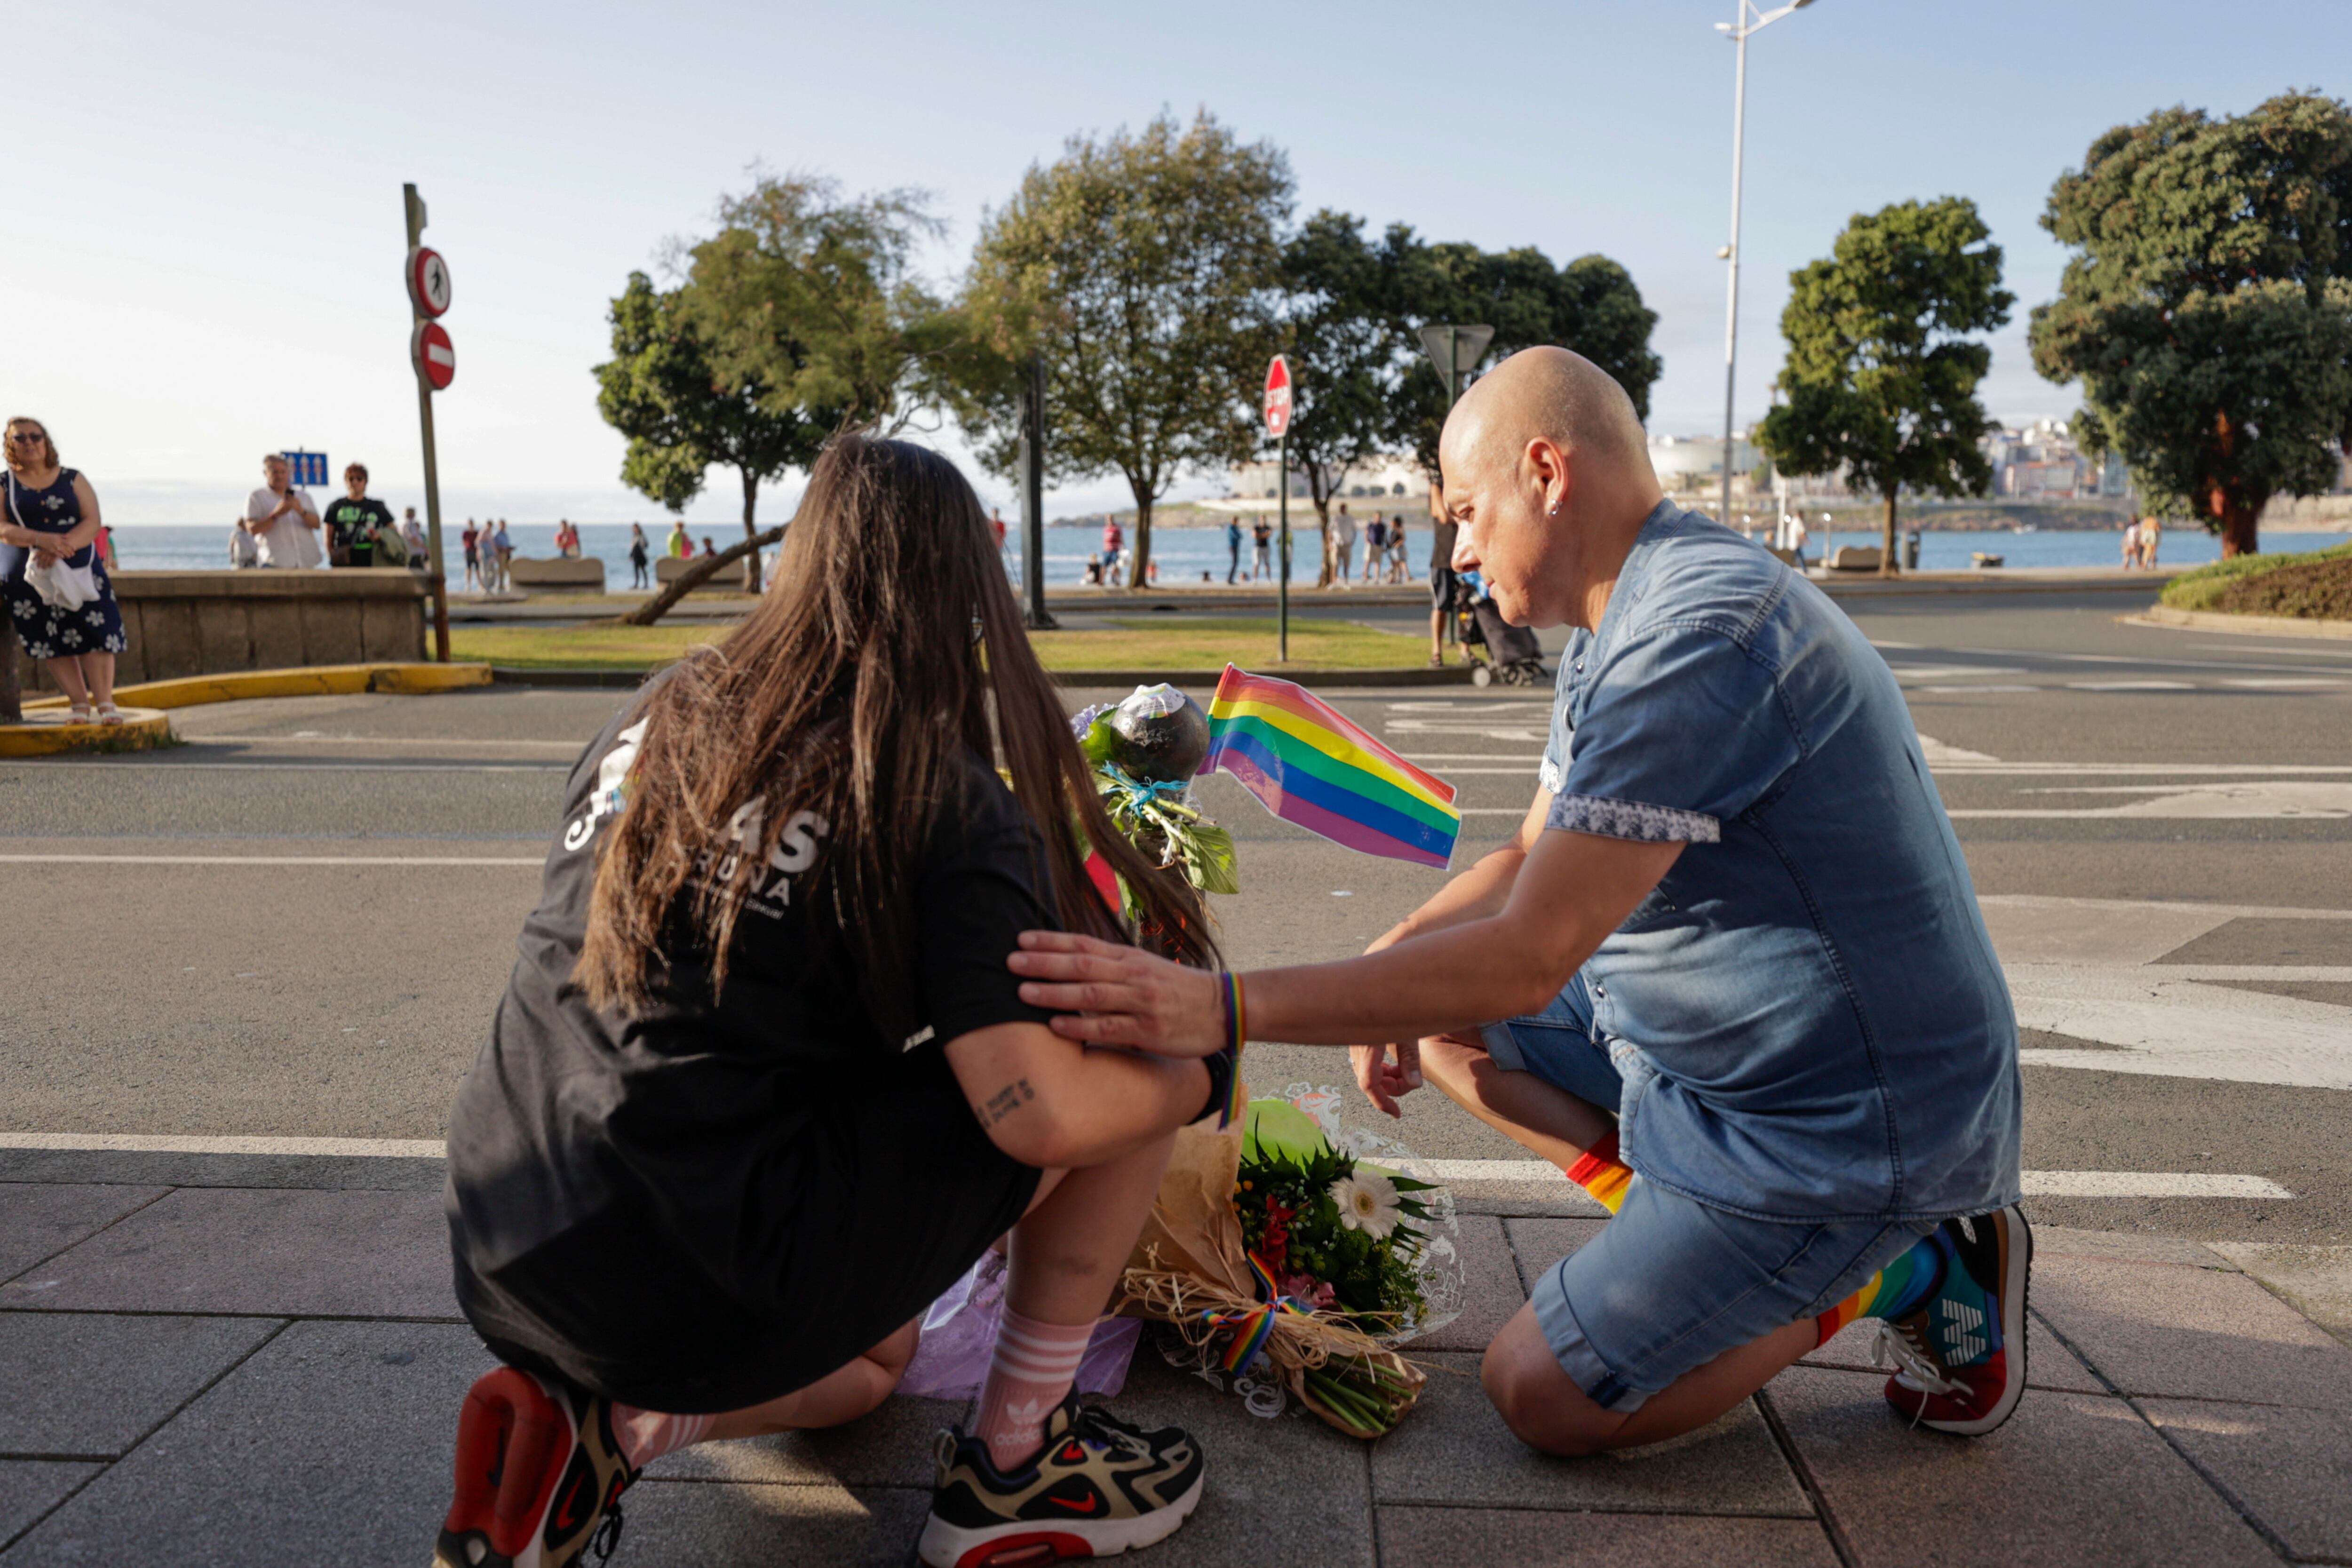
(576, 573)
(202, 623)
(729, 580)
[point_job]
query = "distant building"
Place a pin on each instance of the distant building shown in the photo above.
(2042, 462)
(1387, 477)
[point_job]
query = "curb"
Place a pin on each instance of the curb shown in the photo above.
(317, 680)
(48, 733)
(1898, 587)
(2165, 616)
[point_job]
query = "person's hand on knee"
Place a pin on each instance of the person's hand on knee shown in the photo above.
(1387, 1072)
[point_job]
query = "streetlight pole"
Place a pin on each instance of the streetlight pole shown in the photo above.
(1749, 20)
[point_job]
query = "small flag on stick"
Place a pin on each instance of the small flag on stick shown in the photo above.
(1308, 763)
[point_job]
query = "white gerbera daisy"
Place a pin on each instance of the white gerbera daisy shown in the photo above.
(1368, 1202)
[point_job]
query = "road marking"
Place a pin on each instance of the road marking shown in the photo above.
(2131, 686)
(2310, 799)
(1954, 690)
(273, 859)
(1940, 755)
(2035, 1183)
(116, 764)
(143, 1143)
(2286, 682)
(571, 747)
(1945, 671)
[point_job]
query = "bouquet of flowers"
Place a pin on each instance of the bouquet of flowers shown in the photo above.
(1282, 1248)
(1144, 752)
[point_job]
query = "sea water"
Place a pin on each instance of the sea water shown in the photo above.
(1185, 553)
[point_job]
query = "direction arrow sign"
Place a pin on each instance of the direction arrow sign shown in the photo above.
(428, 280)
(1277, 397)
(433, 355)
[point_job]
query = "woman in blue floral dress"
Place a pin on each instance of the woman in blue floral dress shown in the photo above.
(51, 513)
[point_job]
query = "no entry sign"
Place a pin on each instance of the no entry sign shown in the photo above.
(1277, 397)
(428, 280)
(436, 358)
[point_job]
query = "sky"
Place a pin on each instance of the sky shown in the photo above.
(204, 245)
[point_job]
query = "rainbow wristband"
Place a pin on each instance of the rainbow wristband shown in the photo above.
(1224, 1066)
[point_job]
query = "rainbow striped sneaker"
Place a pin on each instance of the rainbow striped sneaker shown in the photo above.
(539, 1477)
(1962, 1351)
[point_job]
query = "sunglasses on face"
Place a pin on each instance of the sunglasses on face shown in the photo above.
(25, 437)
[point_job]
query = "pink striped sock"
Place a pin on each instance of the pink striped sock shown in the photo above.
(645, 1435)
(1028, 1377)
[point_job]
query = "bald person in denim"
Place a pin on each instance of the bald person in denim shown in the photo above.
(1729, 975)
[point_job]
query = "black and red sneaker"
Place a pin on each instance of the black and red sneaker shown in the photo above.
(539, 1477)
(1962, 1352)
(1097, 1487)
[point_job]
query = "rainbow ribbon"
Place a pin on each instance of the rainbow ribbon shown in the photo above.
(1253, 1326)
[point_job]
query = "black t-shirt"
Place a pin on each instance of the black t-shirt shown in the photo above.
(696, 1109)
(357, 521)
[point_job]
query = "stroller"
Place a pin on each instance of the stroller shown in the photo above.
(1513, 655)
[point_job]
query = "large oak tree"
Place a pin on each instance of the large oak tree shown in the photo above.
(2207, 309)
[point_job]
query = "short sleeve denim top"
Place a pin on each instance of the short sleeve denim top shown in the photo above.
(1807, 1012)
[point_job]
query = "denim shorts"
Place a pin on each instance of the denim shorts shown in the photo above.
(1671, 1283)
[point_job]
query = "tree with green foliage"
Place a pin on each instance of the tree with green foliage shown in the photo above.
(1590, 306)
(815, 295)
(1881, 372)
(2207, 311)
(1346, 347)
(682, 415)
(1142, 268)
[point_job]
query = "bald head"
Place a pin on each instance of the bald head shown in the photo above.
(1552, 395)
(1547, 469)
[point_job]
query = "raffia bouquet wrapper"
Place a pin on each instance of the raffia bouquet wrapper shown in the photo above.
(1192, 1270)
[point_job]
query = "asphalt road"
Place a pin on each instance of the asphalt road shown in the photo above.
(296, 924)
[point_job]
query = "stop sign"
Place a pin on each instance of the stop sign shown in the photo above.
(435, 357)
(1277, 397)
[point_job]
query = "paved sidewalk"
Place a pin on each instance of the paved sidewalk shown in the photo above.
(223, 1359)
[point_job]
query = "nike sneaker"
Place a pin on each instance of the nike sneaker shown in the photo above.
(1961, 1353)
(539, 1477)
(1097, 1487)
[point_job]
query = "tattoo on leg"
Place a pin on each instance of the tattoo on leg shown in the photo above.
(1006, 1102)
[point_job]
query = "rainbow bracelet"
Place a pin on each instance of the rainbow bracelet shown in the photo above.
(1225, 1066)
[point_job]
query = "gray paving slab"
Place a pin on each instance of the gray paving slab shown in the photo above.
(331, 1444)
(2123, 1246)
(890, 1448)
(1453, 1450)
(2314, 1281)
(39, 1220)
(1288, 1489)
(392, 1174)
(2048, 1362)
(74, 1385)
(2070, 1478)
(1537, 1244)
(1491, 1290)
(700, 1524)
(237, 1249)
(1520, 1538)
(2292, 1470)
(2159, 1328)
(30, 1487)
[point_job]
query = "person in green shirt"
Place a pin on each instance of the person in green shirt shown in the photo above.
(356, 523)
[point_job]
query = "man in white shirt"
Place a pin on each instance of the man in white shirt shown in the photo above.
(1344, 543)
(282, 519)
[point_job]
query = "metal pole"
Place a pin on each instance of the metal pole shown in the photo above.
(12, 697)
(1282, 578)
(435, 574)
(1731, 307)
(1033, 495)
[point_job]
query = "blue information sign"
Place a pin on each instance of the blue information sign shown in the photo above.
(309, 468)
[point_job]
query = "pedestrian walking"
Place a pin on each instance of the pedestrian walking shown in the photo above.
(640, 556)
(472, 541)
(1233, 549)
(697, 1190)
(2131, 546)
(2151, 536)
(567, 540)
(354, 523)
(1376, 546)
(284, 524)
(49, 530)
(1114, 541)
(1343, 545)
(1261, 551)
(502, 550)
(1398, 563)
(411, 533)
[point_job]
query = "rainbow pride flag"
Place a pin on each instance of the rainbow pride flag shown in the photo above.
(1308, 763)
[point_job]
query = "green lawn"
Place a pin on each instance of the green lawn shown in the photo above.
(2202, 589)
(1172, 642)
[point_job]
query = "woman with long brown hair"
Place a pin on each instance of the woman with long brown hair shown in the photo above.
(50, 514)
(762, 1085)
